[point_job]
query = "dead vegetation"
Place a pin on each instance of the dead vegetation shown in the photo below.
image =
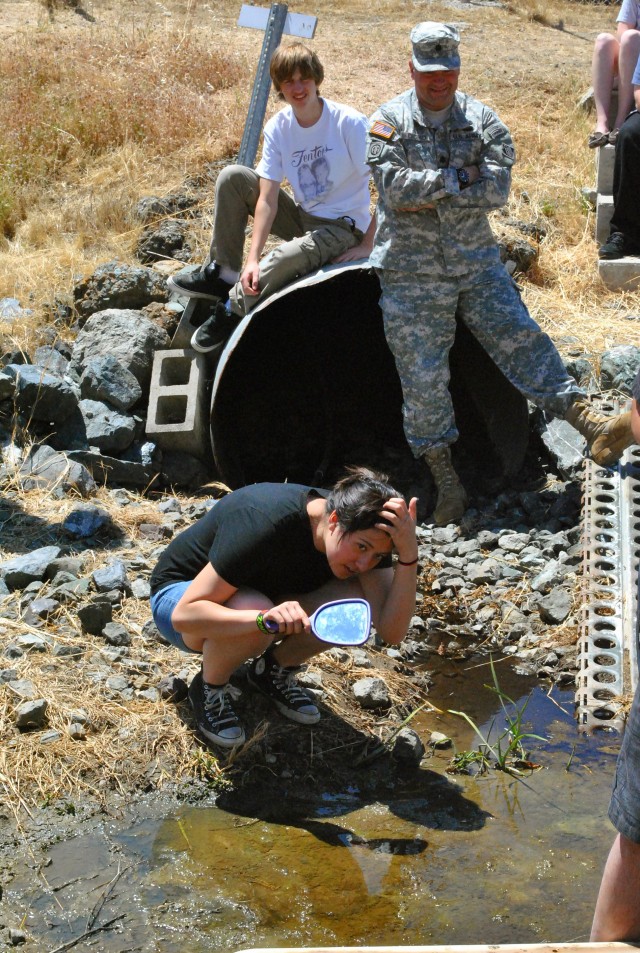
(132, 99)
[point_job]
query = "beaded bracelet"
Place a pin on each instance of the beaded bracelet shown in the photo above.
(411, 563)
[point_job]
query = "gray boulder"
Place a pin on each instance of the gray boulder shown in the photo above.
(618, 367)
(7, 386)
(371, 693)
(117, 285)
(95, 615)
(42, 396)
(106, 379)
(95, 424)
(555, 606)
(125, 335)
(116, 634)
(51, 360)
(168, 240)
(12, 310)
(32, 714)
(563, 443)
(20, 571)
(85, 520)
(43, 467)
(112, 470)
(113, 576)
(408, 748)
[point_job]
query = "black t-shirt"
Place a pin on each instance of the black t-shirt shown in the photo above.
(259, 536)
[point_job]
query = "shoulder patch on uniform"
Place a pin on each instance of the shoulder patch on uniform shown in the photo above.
(384, 130)
(374, 150)
(509, 152)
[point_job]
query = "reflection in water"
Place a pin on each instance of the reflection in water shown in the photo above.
(470, 860)
(439, 860)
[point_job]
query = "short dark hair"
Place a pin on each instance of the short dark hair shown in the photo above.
(635, 388)
(358, 498)
(288, 58)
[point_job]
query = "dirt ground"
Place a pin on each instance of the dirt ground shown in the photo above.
(532, 71)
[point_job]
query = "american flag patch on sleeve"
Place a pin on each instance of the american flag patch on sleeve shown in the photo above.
(384, 130)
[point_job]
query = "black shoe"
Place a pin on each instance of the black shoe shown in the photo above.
(616, 246)
(204, 283)
(216, 330)
(279, 684)
(215, 717)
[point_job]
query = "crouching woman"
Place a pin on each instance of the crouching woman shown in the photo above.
(275, 552)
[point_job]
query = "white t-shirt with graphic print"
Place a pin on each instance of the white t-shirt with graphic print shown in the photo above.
(629, 13)
(324, 163)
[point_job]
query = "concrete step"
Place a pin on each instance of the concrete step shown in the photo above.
(622, 274)
(604, 159)
(604, 213)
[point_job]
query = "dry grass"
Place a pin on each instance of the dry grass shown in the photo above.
(104, 102)
(160, 90)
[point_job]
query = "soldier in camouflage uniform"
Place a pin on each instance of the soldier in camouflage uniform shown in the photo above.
(441, 160)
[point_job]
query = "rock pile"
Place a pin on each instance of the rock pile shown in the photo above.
(89, 398)
(503, 582)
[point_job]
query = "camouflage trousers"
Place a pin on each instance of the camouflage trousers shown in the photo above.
(420, 325)
(309, 241)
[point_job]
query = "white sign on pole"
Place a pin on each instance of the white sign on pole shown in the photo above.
(296, 24)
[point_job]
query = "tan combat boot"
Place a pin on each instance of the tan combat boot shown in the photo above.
(607, 437)
(452, 499)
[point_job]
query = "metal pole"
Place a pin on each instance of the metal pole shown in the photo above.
(261, 85)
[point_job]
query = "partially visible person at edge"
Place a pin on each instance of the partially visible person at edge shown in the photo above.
(319, 147)
(613, 63)
(624, 229)
(275, 552)
(441, 160)
(617, 913)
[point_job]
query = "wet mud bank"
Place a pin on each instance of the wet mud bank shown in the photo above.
(136, 836)
(388, 857)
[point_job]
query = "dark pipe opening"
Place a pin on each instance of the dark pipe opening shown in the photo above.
(311, 386)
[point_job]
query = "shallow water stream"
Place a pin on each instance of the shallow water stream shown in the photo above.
(441, 859)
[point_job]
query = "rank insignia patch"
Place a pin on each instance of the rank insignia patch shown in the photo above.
(509, 152)
(384, 130)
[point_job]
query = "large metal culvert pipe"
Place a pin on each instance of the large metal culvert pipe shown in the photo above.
(307, 385)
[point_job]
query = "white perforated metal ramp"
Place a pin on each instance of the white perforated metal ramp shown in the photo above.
(608, 647)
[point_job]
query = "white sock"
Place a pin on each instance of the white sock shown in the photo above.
(228, 274)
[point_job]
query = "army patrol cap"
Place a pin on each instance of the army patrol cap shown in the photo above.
(435, 47)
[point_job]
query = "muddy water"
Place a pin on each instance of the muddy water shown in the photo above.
(441, 859)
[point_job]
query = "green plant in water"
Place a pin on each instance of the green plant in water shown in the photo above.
(507, 753)
(207, 768)
(465, 762)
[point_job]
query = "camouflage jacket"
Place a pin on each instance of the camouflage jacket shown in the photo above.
(415, 163)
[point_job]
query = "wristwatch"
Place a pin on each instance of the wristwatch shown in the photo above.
(463, 178)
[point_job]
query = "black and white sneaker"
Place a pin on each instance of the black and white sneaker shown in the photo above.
(215, 331)
(279, 684)
(214, 714)
(205, 282)
(617, 246)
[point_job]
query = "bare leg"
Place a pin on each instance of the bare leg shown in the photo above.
(297, 649)
(627, 60)
(617, 914)
(221, 655)
(604, 66)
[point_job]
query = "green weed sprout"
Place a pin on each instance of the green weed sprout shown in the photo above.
(507, 753)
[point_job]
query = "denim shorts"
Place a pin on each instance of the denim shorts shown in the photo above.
(624, 809)
(162, 605)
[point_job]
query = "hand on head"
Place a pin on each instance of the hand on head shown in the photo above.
(400, 523)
